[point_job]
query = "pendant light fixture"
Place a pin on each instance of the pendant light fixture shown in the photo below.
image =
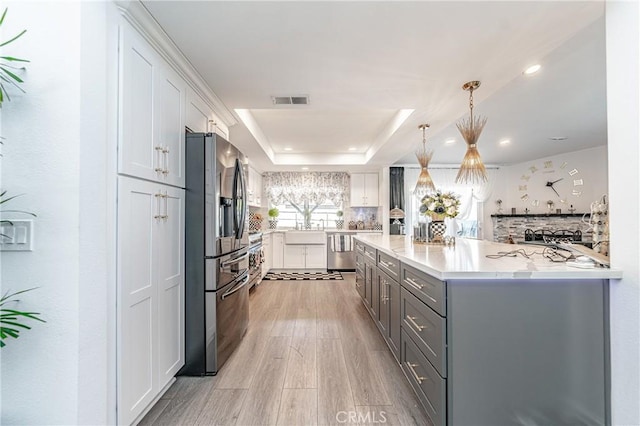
(471, 168)
(425, 183)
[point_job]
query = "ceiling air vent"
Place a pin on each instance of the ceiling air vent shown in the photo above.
(290, 100)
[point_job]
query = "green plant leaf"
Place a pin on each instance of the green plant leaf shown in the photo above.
(13, 39)
(3, 15)
(13, 83)
(12, 75)
(12, 59)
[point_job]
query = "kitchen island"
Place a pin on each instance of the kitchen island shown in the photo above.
(491, 341)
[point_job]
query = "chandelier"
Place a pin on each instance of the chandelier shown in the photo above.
(425, 183)
(471, 168)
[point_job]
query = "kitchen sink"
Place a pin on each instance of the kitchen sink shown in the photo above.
(304, 237)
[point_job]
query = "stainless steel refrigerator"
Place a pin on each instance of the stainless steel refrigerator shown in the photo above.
(216, 252)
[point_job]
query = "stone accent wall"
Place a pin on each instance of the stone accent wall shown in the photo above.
(515, 225)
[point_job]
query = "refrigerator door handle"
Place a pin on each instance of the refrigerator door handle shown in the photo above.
(235, 260)
(236, 287)
(239, 213)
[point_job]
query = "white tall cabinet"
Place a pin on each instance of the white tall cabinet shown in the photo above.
(150, 223)
(364, 189)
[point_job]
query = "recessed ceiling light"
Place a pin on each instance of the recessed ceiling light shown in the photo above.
(305, 168)
(353, 148)
(532, 69)
(288, 149)
(505, 142)
(449, 141)
(558, 138)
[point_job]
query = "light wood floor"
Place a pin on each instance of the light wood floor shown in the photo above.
(312, 356)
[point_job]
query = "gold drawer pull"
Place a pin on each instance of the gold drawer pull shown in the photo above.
(419, 379)
(415, 324)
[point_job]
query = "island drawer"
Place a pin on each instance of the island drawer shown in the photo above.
(370, 254)
(430, 388)
(359, 247)
(425, 287)
(359, 261)
(390, 265)
(427, 329)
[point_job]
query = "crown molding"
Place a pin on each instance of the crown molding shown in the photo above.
(139, 17)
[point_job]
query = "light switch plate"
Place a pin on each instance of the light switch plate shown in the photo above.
(17, 235)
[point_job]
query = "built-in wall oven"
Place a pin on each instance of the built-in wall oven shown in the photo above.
(256, 259)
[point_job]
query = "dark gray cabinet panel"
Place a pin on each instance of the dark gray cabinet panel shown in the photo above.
(383, 282)
(430, 388)
(425, 287)
(370, 254)
(360, 285)
(394, 318)
(389, 265)
(427, 329)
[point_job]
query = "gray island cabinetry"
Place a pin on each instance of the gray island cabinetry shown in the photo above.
(491, 341)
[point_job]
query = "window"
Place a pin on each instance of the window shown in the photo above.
(289, 216)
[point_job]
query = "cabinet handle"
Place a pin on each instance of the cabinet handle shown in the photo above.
(415, 324)
(165, 154)
(411, 367)
(159, 159)
(413, 284)
(166, 205)
(388, 265)
(157, 216)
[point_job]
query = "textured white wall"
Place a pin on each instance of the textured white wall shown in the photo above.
(55, 152)
(592, 167)
(623, 110)
(591, 164)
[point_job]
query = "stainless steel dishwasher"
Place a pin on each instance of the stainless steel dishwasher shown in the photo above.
(340, 251)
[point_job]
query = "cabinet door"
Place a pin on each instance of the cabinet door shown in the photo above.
(371, 189)
(294, 256)
(393, 294)
(267, 253)
(197, 114)
(383, 303)
(368, 284)
(252, 190)
(360, 286)
(139, 154)
(170, 269)
(278, 250)
(357, 189)
(170, 91)
(316, 256)
(138, 208)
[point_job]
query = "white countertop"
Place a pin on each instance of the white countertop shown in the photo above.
(467, 260)
(328, 230)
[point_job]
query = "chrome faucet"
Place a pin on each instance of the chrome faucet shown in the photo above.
(322, 220)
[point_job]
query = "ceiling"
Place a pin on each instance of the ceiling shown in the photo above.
(373, 71)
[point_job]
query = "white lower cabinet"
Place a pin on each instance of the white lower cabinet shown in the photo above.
(277, 250)
(150, 277)
(267, 254)
(311, 256)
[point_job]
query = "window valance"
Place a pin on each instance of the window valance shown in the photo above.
(310, 187)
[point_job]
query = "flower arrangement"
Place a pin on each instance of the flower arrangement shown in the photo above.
(440, 205)
(257, 217)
